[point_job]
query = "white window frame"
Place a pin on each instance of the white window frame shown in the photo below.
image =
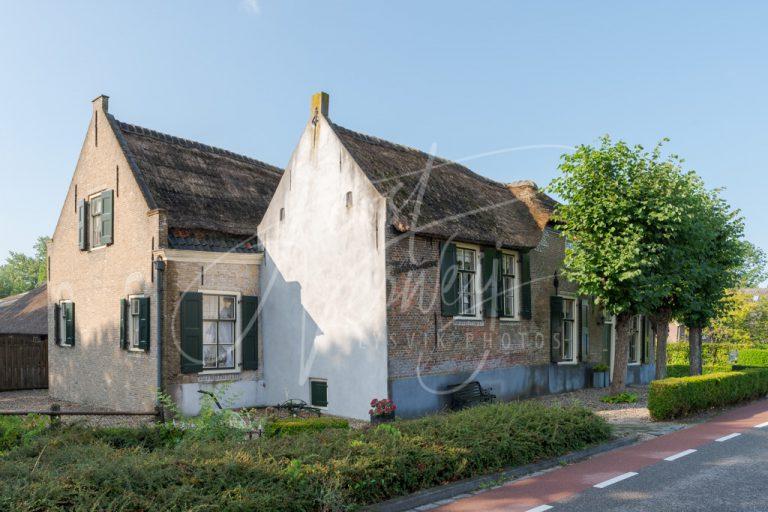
(63, 324)
(91, 224)
(133, 344)
(637, 340)
(574, 359)
(238, 334)
(478, 292)
(516, 286)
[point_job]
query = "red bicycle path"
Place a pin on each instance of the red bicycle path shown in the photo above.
(551, 487)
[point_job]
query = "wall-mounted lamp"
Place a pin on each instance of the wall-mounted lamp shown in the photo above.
(556, 282)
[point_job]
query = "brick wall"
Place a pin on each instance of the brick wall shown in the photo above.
(96, 370)
(419, 336)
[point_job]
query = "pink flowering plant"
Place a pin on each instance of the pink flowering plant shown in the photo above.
(384, 407)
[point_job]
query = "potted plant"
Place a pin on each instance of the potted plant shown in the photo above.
(600, 376)
(382, 411)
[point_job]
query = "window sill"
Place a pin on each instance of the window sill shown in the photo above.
(220, 372)
(509, 319)
(138, 350)
(64, 345)
(634, 364)
(99, 248)
(568, 363)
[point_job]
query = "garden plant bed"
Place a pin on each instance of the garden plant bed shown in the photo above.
(159, 468)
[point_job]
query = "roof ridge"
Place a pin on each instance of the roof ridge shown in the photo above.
(383, 142)
(148, 132)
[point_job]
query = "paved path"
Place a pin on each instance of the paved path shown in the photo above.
(639, 478)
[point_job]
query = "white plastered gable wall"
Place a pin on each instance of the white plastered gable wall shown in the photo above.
(323, 283)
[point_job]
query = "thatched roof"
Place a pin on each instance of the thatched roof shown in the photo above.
(26, 313)
(437, 197)
(199, 186)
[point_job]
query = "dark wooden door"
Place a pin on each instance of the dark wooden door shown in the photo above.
(23, 362)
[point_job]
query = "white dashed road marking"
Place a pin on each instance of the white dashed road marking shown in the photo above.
(726, 438)
(540, 508)
(762, 425)
(679, 455)
(614, 480)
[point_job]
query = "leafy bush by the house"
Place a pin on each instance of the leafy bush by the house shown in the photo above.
(752, 357)
(19, 430)
(620, 398)
(684, 370)
(290, 426)
(147, 437)
(335, 469)
(675, 397)
(713, 354)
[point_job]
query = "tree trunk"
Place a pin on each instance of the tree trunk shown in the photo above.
(694, 338)
(660, 321)
(621, 355)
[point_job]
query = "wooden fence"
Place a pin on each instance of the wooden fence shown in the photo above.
(23, 362)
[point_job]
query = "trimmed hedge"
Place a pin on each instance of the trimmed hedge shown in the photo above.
(676, 397)
(291, 426)
(753, 357)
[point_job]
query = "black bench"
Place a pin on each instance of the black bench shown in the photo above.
(468, 394)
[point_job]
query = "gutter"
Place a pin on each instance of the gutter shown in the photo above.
(159, 265)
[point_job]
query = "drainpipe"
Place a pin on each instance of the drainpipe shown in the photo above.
(160, 280)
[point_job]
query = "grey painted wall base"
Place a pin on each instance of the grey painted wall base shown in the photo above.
(416, 396)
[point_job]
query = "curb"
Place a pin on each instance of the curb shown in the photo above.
(469, 485)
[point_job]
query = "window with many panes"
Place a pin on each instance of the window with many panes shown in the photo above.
(96, 210)
(508, 285)
(569, 329)
(133, 323)
(466, 267)
(219, 319)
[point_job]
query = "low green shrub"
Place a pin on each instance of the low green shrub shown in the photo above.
(335, 469)
(602, 367)
(291, 426)
(19, 430)
(675, 397)
(620, 398)
(147, 437)
(753, 357)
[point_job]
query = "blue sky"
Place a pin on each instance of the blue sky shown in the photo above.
(471, 78)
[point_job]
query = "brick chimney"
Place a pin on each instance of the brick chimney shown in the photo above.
(320, 102)
(101, 102)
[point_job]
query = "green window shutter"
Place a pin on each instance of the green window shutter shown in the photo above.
(556, 315)
(584, 329)
(82, 224)
(449, 280)
(318, 393)
(57, 324)
(69, 320)
(123, 325)
(491, 267)
(144, 323)
(107, 216)
(526, 307)
(250, 322)
(192, 332)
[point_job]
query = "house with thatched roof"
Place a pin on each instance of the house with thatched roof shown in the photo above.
(23, 340)
(391, 272)
(154, 270)
(366, 269)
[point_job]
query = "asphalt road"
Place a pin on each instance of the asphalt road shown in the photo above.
(720, 476)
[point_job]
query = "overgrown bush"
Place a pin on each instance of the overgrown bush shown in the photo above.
(753, 357)
(335, 469)
(620, 398)
(290, 426)
(675, 397)
(19, 430)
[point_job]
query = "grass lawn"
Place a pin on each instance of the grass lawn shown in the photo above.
(212, 467)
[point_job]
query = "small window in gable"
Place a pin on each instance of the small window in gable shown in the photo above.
(349, 199)
(282, 214)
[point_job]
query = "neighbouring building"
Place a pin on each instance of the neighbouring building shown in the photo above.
(24, 340)
(365, 269)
